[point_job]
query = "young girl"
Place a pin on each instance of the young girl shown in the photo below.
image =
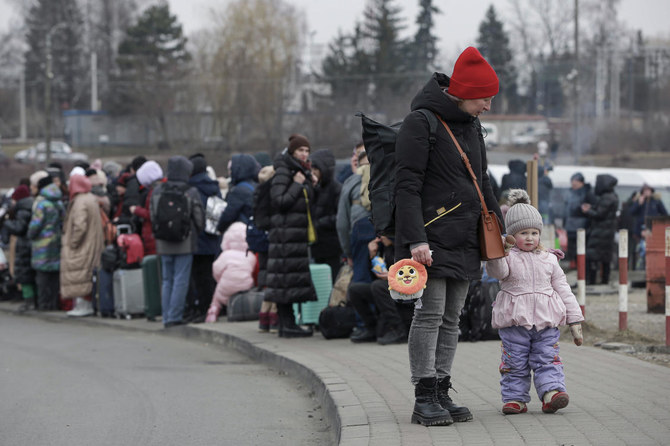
(534, 299)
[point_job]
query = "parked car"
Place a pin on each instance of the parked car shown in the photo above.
(60, 151)
(530, 137)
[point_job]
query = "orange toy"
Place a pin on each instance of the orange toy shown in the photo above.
(407, 280)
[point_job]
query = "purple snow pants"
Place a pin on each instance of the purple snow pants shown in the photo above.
(525, 350)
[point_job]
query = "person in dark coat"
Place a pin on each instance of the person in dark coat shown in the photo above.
(240, 197)
(288, 276)
(17, 224)
(645, 204)
(602, 226)
(516, 178)
(575, 218)
(437, 214)
(202, 284)
(324, 210)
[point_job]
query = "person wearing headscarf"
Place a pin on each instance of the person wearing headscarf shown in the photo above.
(82, 245)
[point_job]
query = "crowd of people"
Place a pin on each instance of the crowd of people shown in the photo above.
(283, 214)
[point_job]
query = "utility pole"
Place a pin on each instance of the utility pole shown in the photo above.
(575, 90)
(47, 88)
(22, 106)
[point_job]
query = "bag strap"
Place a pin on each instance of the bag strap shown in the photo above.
(432, 123)
(247, 184)
(466, 161)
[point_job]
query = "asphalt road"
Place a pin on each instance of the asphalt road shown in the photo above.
(71, 384)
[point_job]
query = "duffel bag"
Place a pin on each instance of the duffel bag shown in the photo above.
(245, 305)
(337, 322)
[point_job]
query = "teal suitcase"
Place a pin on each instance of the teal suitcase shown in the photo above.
(322, 279)
(152, 287)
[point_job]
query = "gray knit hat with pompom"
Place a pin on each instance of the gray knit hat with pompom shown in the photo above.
(521, 214)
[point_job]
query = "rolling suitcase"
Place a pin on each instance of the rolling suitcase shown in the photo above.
(152, 286)
(322, 279)
(128, 293)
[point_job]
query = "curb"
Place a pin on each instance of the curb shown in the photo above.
(323, 387)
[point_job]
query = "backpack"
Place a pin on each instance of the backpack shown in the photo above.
(172, 219)
(257, 238)
(213, 209)
(379, 142)
(263, 205)
(337, 322)
(108, 228)
(477, 313)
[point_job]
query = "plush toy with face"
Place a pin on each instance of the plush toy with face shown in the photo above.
(407, 280)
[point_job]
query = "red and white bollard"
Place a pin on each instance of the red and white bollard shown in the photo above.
(581, 269)
(667, 286)
(623, 279)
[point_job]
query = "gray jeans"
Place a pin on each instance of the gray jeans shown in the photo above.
(434, 332)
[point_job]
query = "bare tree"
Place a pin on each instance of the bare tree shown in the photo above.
(255, 69)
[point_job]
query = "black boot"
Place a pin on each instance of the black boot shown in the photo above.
(287, 326)
(458, 413)
(427, 409)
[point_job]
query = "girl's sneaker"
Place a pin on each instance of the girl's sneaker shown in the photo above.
(554, 400)
(514, 407)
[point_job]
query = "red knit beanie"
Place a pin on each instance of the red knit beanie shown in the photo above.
(20, 192)
(473, 77)
(295, 141)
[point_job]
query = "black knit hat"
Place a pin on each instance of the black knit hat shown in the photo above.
(137, 162)
(44, 182)
(199, 164)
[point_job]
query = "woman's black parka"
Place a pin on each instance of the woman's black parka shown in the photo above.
(436, 200)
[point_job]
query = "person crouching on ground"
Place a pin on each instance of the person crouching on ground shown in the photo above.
(534, 299)
(233, 270)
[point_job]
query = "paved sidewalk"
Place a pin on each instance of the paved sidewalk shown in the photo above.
(366, 393)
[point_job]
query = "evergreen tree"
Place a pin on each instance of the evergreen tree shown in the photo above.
(493, 43)
(424, 46)
(381, 28)
(347, 69)
(62, 22)
(152, 60)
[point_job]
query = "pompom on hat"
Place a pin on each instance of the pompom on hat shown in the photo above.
(521, 214)
(473, 77)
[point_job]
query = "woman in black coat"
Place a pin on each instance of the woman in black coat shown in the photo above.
(437, 210)
(288, 277)
(324, 210)
(602, 226)
(17, 225)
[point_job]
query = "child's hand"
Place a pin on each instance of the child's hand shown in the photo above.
(576, 330)
(510, 242)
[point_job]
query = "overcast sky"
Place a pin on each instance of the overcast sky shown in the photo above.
(456, 28)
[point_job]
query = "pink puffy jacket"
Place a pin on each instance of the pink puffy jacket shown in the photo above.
(233, 269)
(533, 291)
